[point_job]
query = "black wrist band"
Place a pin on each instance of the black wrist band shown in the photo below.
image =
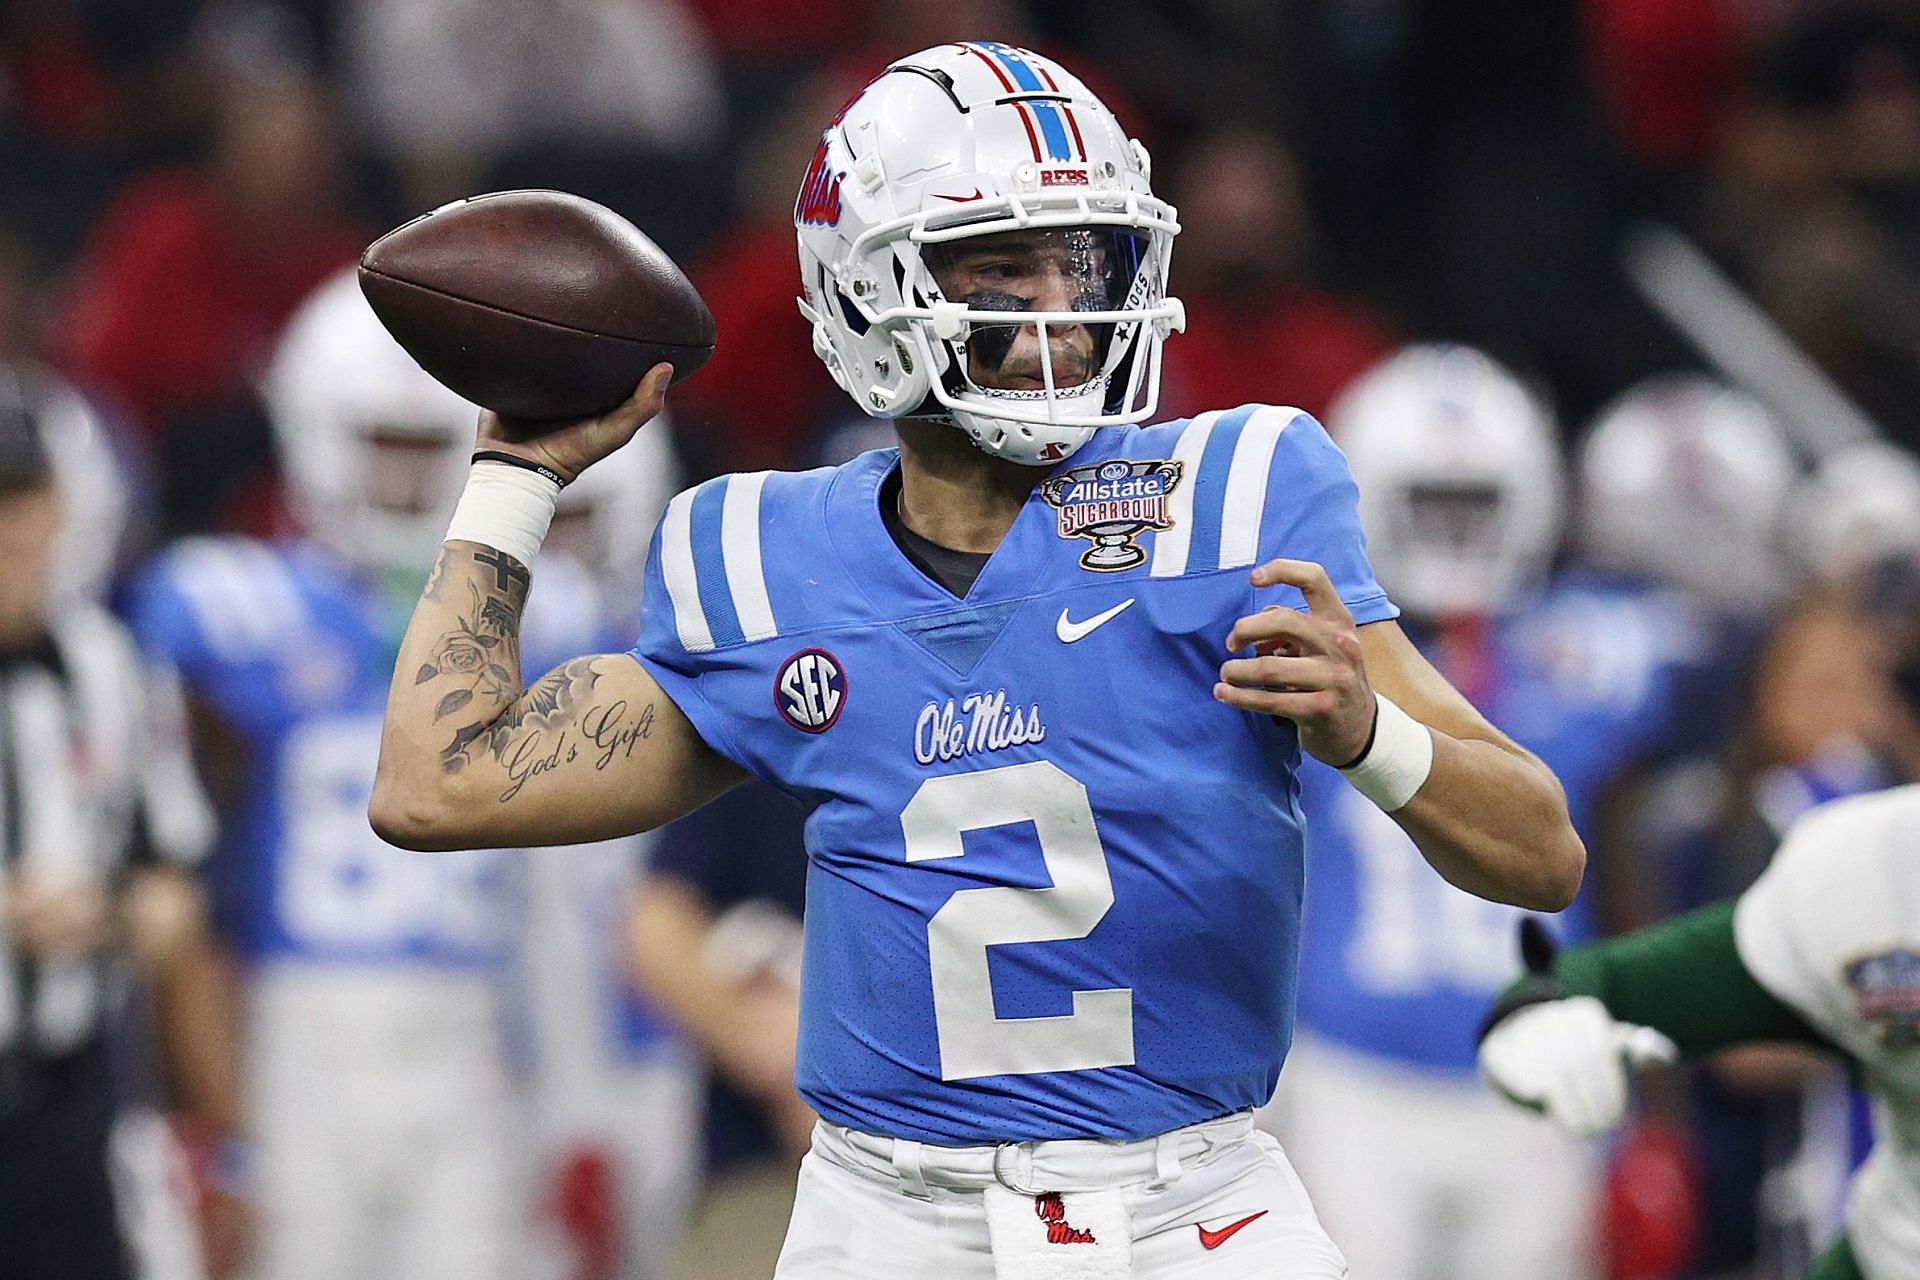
(1524, 994)
(525, 464)
(1372, 730)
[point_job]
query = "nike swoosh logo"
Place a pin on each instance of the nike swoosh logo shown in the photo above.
(1068, 630)
(977, 195)
(1214, 1239)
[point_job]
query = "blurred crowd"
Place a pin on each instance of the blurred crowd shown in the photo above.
(1423, 220)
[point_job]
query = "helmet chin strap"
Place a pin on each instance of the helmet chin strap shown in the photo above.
(1029, 444)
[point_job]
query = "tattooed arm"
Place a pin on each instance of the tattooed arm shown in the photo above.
(593, 749)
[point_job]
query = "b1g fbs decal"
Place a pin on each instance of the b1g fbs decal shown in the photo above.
(810, 691)
(1110, 504)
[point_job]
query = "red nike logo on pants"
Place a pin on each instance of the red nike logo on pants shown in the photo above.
(1214, 1239)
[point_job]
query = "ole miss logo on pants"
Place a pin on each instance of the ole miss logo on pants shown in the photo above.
(810, 690)
(1052, 1210)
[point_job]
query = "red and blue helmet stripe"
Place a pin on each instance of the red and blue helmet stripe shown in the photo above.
(1054, 119)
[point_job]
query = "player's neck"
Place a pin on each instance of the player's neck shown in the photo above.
(955, 496)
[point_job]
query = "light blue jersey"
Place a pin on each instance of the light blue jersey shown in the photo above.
(294, 652)
(1395, 961)
(1054, 886)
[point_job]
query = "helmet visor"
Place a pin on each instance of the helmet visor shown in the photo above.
(1051, 274)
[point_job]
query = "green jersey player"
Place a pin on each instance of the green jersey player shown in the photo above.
(1823, 949)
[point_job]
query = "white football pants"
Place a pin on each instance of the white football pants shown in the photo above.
(1213, 1202)
(384, 1126)
(1432, 1177)
(646, 1119)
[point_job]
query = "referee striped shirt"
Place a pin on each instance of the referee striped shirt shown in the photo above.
(95, 779)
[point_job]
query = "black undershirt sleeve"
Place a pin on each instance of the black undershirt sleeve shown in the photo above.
(1683, 977)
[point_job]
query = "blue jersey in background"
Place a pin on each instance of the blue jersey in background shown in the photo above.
(1397, 962)
(292, 650)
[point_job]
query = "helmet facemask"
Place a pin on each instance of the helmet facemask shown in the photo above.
(412, 474)
(1084, 353)
(930, 337)
(951, 154)
(1458, 536)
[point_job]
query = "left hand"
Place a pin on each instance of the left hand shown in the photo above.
(1307, 667)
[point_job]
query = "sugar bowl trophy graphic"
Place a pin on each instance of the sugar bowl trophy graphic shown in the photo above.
(1110, 504)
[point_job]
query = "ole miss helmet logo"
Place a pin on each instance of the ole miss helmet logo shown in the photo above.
(810, 690)
(819, 201)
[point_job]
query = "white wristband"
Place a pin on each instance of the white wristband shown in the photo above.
(506, 508)
(1397, 763)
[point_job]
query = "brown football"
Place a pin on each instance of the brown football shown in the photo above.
(536, 304)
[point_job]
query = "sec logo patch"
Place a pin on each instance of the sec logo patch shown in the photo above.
(810, 690)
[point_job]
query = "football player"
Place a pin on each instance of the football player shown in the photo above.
(1855, 511)
(615, 1093)
(1043, 677)
(1823, 950)
(1682, 481)
(384, 1116)
(1414, 1168)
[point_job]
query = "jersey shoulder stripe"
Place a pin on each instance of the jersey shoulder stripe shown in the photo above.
(710, 560)
(1226, 459)
(1170, 546)
(241, 594)
(1244, 503)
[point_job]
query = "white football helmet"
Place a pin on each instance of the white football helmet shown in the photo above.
(1461, 484)
(1858, 508)
(605, 519)
(92, 481)
(957, 143)
(373, 449)
(1683, 480)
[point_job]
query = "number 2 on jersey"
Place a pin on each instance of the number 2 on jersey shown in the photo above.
(973, 1040)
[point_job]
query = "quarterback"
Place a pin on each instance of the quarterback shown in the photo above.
(1823, 949)
(1042, 677)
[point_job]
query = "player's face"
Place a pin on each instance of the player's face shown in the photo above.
(1061, 270)
(29, 519)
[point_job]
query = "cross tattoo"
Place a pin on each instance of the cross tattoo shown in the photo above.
(505, 570)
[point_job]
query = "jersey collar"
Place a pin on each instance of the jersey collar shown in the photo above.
(1017, 568)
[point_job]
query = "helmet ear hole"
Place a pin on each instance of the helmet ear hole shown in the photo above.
(851, 314)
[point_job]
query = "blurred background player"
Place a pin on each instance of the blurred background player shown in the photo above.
(1690, 486)
(1681, 488)
(615, 1092)
(1823, 951)
(1461, 491)
(716, 943)
(103, 822)
(386, 1124)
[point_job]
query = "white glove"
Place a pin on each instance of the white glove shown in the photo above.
(1568, 1059)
